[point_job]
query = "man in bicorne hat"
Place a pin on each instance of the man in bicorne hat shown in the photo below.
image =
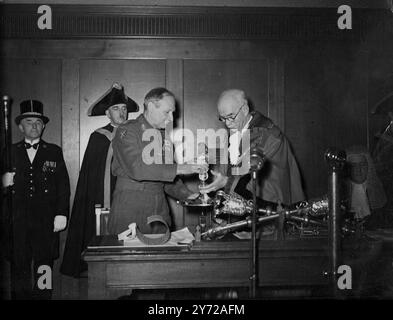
(95, 183)
(40, 205)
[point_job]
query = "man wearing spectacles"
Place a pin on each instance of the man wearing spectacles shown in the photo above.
(279, 179)
(230, 118)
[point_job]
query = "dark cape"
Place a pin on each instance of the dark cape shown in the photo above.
(279, 179)
(89, 192)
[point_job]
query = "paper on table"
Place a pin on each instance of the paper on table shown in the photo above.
(178, 238)
(130, 233)
(182, 236)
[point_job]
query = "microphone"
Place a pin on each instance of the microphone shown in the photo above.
(6, 101)
(6, 98)
(257, 159)
(335, 157)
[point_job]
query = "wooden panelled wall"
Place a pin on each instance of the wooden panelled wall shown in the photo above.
(68, 76)
(315, 91)
(317, 94)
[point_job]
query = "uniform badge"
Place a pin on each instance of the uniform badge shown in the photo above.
(49, 166)
(123, 133)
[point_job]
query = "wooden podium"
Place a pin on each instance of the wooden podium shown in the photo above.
(115, 270)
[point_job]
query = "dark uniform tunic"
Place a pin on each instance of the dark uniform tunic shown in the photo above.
(41, 191)
(141, 186)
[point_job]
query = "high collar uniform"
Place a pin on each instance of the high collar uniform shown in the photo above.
(41, 191)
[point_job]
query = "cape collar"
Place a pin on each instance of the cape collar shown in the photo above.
(259, 120)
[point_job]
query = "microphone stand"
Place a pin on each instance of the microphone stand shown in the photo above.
(253, 277)
(336, 160)
(256, 162)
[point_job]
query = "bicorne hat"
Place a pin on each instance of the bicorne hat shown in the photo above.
(115, 95)
(31, 109)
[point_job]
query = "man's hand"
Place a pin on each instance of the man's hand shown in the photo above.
(219, 182)
(59, 223)
(8, 179)
(191, 168)
(193, 196)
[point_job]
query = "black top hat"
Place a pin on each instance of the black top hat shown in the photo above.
(115, 95)
(31, 109)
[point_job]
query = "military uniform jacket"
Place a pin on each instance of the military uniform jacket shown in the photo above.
(143, 176)
(41, 191)
(134, 161)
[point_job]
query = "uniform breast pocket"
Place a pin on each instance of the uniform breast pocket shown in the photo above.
(49, 167)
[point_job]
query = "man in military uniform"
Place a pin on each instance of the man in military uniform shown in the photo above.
(141, 183)
(95, 182)
(279, 179)
(40, 194)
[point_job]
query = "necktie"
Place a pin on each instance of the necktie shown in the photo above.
(28, 145)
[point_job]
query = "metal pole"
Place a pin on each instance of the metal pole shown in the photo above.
(335, 159)
(8, 218)
(257, 159)
(7, 133)
(254, 260)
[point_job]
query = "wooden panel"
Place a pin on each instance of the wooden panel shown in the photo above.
(70, 117)
(215, 272)
(96, 77)
(204, 80)
(222, 3)
(186, 273)
(38, 79)
(174, 82)
(142, 48)
(276, 110)
(196, 22)
(325, 106)
(288, 263)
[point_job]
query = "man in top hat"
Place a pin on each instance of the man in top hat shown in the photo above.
(40, 194)
(95, 183)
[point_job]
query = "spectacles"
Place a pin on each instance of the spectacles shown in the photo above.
(230, 118)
